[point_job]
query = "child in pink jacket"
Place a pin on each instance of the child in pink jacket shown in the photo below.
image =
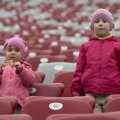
(98, 67)
(16, 76)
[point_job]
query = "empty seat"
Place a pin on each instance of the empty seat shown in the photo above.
(16, 117)
(42, 107)
(88, 116)
(87, 99)
(57, 46)
(64, 77)
(50, 69)
(36, 52)
(53, 89)
(71, 54)
(35, 61)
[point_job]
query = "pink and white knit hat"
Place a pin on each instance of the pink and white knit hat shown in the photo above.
(102, 13)
(18, 42)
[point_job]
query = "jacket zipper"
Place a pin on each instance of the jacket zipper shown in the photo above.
(10, 73)
(101, 45)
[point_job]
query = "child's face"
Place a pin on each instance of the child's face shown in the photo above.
(13, 53)
(101, 28)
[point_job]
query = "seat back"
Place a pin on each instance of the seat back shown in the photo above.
(87, 99)
(16, 117)
(64, 77)
(36, 52)
(44, 106)
(112, 104)
(50, 69)
(70, 54)
(88, 116)
(52, 89)
(7, 104)
(39, 76)
(6, 108)
(35, 61)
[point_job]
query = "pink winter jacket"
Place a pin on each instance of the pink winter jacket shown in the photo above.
(12, 84)
(98, 68)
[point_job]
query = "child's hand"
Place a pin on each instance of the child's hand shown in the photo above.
(18, 66)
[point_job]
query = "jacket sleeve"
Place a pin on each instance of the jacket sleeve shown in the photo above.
(118, 55)
(75, 86)
(27, 75)
(1, 71)
(0, 78)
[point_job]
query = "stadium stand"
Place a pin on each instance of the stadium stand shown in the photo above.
(54, 28)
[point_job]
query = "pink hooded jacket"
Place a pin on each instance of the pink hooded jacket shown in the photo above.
(98, 68)
(12, 84)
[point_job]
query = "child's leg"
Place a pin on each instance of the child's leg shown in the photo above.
(100, 101)
(98, 108)
(18, 109)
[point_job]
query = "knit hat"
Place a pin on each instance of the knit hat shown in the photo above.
(102, 13)
(18, 42)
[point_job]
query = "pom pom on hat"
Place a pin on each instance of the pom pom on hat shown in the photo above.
(18, 42)
(102, 13)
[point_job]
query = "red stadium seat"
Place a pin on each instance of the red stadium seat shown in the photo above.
(35, 61)
(71, 54)
(36, 52)
(39, 76)
(8, 104)
(87, 116)
(57, 46)
(42, 107)
(52, 89)
(64, 77)
(87, 99)
(15, 117)
(112, 104)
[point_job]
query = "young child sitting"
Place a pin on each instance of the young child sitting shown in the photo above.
(16, 76)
